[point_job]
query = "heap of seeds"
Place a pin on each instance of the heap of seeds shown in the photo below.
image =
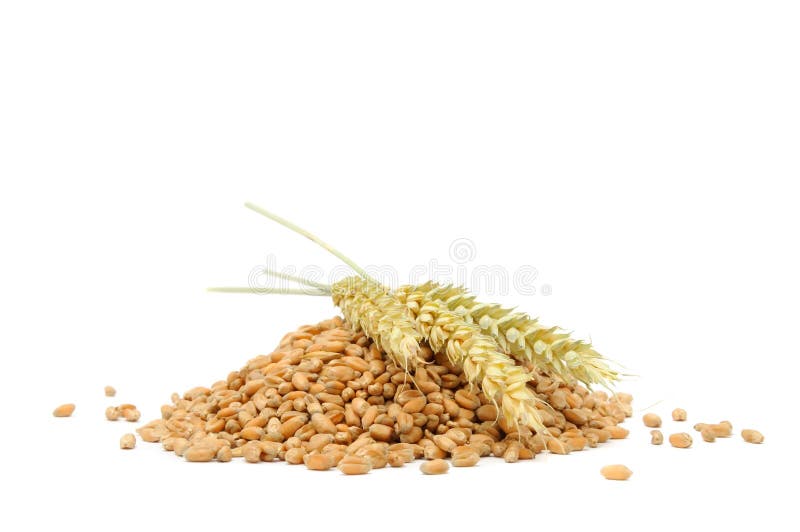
(496, 348)
(328, 396)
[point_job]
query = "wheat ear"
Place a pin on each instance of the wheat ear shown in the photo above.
(484, 364)
(549, 348)
(369, 306)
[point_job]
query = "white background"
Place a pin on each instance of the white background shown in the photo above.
(642, 156)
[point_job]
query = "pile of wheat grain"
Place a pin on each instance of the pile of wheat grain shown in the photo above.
(329, 396)
(497, 348)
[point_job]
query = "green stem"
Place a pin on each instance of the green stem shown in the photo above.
(301, 280)
(255, 290)
(289, 225)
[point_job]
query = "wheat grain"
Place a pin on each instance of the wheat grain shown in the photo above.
(383, 318)
(478, 355)
(524, 337)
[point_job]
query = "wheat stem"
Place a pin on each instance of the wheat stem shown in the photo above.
(289, 225)
(257, 290)
(300, 280)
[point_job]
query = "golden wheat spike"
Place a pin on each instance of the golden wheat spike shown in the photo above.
(383, 318)
(548, 348)
(484, 364)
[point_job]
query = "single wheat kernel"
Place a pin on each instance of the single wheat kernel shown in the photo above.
(487, 413)
(252, 433)
(624, 397)
(378, 457)
(381, 432)
(131, 414)
(457, 435)
(64, 410)
(617, 432)
(510, 453)
(616, 472)
(180, 445)
(405, 422)
(199, 453)
(110, 391)
(656, 437)
(318, 462)
(127, 441)
(525, 454)
(224, 454)
(335, 456)
(435, 467)
(355, 469)
(318, 441)
(576, 416)
(403, 450)
(112, 413)
(323, 424)
(395, 459)
(556, 446)
(752, 436)
(651, 420)
(720, 430)
(354, 465)
(707, 434)
(251, 451)
(295, 455)
(465, 458)
(444, 443)
(576, 443)
(680, 440)
(679, 414)
(601, 434)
